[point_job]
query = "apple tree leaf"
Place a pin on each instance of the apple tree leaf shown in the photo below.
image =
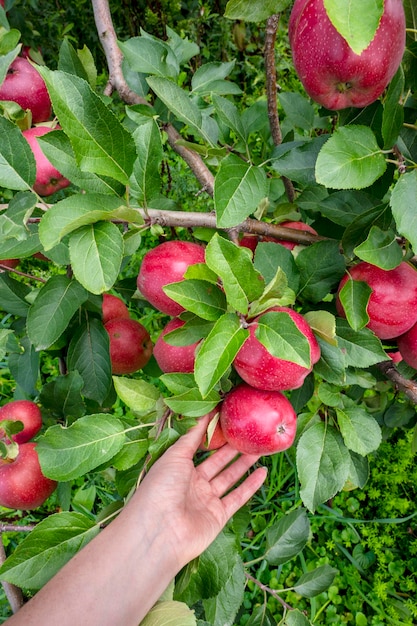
(287, 537)
(198, 296)
(316, 581)
(223, 608)
(295, 617)
(13, 295)
(66, 453)
(347, 18)
(170, 613)
(63, 396)
(323, 464)
(404, 206)
(280, 335)
(354, 297)
(254, 10)
(380, 248)
(96, 253)
(361, 347)
(149, 55)
(321, 266)
(332, 363)
(393, 116)
(145, 181)
(51, 312)
(100, 142)
(269, 256)
(218, 351)
(17, 163)
(350, 159)
(360, 430)
(238, 189)
(137, 394)
(46, 549)
(210, 78)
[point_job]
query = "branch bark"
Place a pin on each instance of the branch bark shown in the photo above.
(13, 594)
(408, 387)
(117, 82)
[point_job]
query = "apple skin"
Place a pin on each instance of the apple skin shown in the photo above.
(174, 358)
(331, 73)
(48, 179)
(392, 306)
(113, 307)
(10, 263)
(407, 345)
(22, 484)
(290, 245)
(165, 264)
(217, 440)
(260, 369)
(24, 411)
(255, 421)
(249, 241)
(130, 345)
(23, 84)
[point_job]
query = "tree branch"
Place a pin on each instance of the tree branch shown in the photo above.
(13, 594)
(114, 57)
(271, 92)
(408, 387)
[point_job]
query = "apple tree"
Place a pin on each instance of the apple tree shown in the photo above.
(263, 166)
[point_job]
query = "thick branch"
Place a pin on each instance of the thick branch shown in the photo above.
(408, 387)
(13, 594)
(108, 39)
(271, 92)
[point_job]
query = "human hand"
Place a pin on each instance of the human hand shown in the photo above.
(193, 503)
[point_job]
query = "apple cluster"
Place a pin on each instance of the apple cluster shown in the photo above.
(255, 416)
(130, 344)
(22, 484)
(25, 86)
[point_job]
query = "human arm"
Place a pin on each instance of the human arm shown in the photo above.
(174, 515)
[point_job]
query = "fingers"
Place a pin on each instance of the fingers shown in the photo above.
(226, 479)
(239, 496)
(216, 462)
(188, 443)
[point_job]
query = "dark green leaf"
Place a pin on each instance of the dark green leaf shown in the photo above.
(287, 537)
(354, 297)
(321, 267)
(198, 296)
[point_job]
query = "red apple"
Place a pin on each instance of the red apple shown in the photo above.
(331, 72)
(249, 241)
(213, 439)
(113, 307)
(10, 263)
(392, 306)
(22, 484)
(24, 85)
(130, 345)
(48, 179)
(260, 369)
(407, 345)
(174, 358)
(396, 355)
(255, 421)
(24, 411)
(164, 264)
(290, 245)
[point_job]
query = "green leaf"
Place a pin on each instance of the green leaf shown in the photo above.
(170, 613)
(222, 609)
(323, 464)
(280, 335)
(318, 580)
(240, 281)
(67, 453)
(149, 55)
(6, 60)
(183, 48)
(75, 211)
(218, 352)
(298, 110)
(51, 544)
(361, 348)
(138, 395)
(50, 314)
(380, 248)
(351, 158)
(254, 10)
(198, 296)
(96, 253)
(101, 144)
(24, 366)
(62, 396)
(269, 256)
(17, 163)
(348, 20)
(404, 206)
(360, 431)
(230, 116)
(69, 60)
(332, 363)
(145, 182)
(238, 189)
(321, 267)
(191, 403)
(294, 617)
(209, 78)
(297, 159)
(354, 297)
(393, 116)
(12, 295)
(358, 471)
(287, 537)
(89, 354)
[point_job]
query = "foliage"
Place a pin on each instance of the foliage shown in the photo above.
(353, 175)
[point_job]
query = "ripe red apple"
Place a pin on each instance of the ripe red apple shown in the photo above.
(113, 307)
(130, 345)
(164, 264)
(392, 306)
(24, 85)
(11, 263)
(22, 484)
(290, 245)
(215, 439)
(260, 369)
(48, 179)
(249, 241)
(331, 72)
(24, 411)
(174, 358)
(255, 421)
(396, 355)
(407, 345)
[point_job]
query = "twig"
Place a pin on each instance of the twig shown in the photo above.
(13, 593)
(269, 590)
(108, 39)
(13, 528)
(408, 387)
(271, 92)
